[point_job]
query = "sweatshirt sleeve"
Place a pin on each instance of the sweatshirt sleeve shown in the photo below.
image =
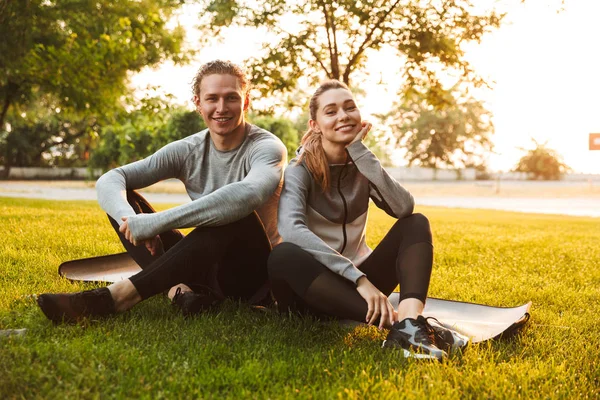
(385, 191)
(293, 228)
(226, 204)
(112, 186)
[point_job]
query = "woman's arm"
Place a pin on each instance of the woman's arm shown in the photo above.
(385, 191)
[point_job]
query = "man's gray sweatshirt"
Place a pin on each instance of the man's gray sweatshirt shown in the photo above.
(224, 186)
(331, 224)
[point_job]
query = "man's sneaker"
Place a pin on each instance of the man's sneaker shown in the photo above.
(416, 339)
(192, 303)
(72, 307)
(447, 339)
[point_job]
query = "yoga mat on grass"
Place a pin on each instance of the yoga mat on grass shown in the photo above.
(478, 321)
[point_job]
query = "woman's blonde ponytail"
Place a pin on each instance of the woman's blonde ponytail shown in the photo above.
(314, 157)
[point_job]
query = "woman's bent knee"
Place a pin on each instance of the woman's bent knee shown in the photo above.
(414, 228)
(280, 258)
(419, 220)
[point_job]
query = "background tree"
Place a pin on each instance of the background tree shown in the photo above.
(542, 162)
(283, 128)
(141, 131)
(44, 137)
(76, 55)
(454, 133)
(316, 38)
(183, 123)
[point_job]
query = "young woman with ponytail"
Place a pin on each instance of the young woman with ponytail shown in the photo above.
(324, 266)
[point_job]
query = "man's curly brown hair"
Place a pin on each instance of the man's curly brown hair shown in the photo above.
(220, 67)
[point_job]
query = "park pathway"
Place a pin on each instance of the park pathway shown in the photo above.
(576, 206)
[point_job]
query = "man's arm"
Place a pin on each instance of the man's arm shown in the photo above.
(112, 186)
(292, 225)
(227, 204)
(385, 191)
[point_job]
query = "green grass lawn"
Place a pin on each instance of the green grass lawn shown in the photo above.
(491, 257)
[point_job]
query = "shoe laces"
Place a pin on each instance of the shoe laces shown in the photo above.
(427, 329)
(97, 301)
(439, 330)
(439, 324)
(433, 319)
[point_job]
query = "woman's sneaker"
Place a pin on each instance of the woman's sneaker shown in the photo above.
(416, 339)
(447, 339)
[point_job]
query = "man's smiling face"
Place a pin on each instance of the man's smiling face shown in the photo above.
(222, 103)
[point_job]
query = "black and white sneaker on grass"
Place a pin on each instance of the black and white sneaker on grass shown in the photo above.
(447, 339)
(415, 337)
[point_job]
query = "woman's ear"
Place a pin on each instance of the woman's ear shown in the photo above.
(312, 124)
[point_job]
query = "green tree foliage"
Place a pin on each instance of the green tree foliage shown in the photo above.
(452, 134)
(75, 56)
(315, 39)
(141, 132)
(542, 163)
(46, 138)
(183, 123)
(283, 128)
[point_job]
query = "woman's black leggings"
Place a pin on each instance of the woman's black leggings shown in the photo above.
(405, 257)
(230, 259)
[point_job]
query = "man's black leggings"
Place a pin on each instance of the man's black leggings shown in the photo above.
(405, 257)
(229, 259)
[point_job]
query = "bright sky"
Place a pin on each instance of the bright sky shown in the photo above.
(543, 67)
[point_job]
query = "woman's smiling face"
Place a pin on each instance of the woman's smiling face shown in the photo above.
(338, 117)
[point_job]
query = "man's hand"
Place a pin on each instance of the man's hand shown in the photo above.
(154, 245)
(366, 127)
(124, 229)
(378, 304)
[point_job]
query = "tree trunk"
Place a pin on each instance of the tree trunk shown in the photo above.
(11, 90)
(7, 164)
(5, 172)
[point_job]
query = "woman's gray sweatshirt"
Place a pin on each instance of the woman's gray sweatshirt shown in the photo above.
(331, 225)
